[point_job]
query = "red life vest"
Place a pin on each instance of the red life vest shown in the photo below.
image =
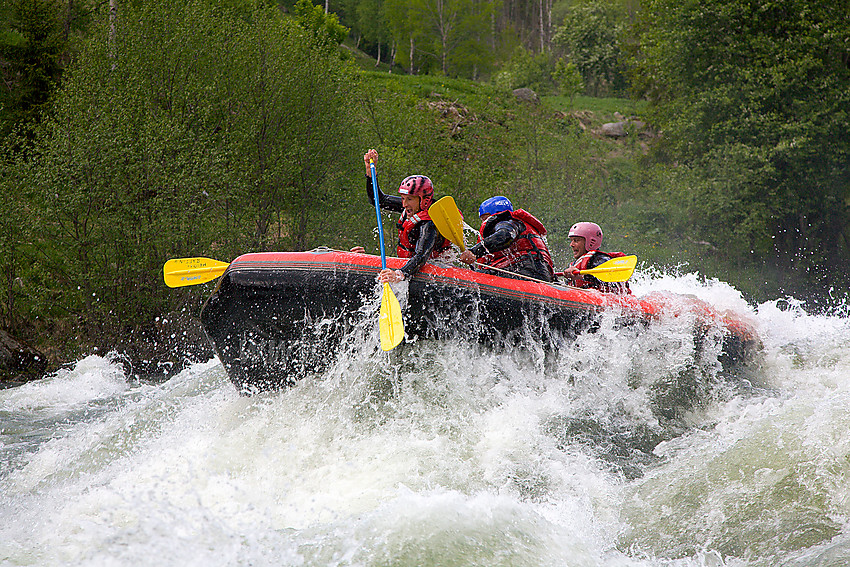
(529, 242)
(406, 248)
(582, 264)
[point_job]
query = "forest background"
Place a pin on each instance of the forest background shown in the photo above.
(134, 131)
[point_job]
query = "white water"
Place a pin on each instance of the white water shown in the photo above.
(626, 449)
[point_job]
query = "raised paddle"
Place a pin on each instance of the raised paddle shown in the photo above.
(180, 272)
(389, 321)
(446, 217)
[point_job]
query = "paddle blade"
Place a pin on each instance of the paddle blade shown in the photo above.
(180, 272)
(390, 322)
(446, 217)
(614, 270)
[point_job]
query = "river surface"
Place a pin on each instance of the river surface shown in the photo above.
(628, 448)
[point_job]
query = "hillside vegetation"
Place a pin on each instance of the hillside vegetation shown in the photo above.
(554, 159)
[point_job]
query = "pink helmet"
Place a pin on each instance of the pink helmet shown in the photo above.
(418, 186)
(590, 231)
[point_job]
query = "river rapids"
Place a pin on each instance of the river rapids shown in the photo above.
(630, 447)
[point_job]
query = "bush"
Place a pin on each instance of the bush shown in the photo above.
(526, 69)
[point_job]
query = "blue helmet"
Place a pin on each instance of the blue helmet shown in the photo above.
(495, 205)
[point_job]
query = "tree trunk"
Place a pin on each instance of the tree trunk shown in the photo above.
(542, 30)
(113, 12)
(9, 317)
(66, 25)
(493, 31)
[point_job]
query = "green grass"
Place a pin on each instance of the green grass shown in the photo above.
(466, 91)
(602, 106)
(458, 89)
(427, 86)
(480, 96)
(363, 60)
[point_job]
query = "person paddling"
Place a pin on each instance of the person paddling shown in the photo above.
(585, 240)
(418, 238)
(510, 240)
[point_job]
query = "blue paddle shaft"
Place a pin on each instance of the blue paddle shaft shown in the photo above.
(378, 214)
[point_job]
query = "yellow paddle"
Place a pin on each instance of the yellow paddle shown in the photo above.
(181, 272)
(448, 221)
(389, 321)
(614, 270)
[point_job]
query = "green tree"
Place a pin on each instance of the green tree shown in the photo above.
(448, 37)
(325, 27)
(405, 32)
(526, 69)
(754, 98)
(31, 46)
(202, 132)
(17, 227)
(124, 162)
(293, 135)
(568, 78)
(475, 54)
(591, 36)
(372, 25)
(450, 25)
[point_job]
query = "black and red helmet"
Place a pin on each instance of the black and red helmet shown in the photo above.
(418, 186)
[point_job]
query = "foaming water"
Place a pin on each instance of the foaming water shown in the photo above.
(628, 447)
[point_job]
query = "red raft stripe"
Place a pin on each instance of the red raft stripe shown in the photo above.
(553, 294)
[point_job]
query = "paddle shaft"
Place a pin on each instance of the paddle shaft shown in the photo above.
(217, 270)
(378, 213)
(593, 271)
(515, 274)
(486, 267)
(389, 321)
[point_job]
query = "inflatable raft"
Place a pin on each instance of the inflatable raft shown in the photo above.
(276, 317)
